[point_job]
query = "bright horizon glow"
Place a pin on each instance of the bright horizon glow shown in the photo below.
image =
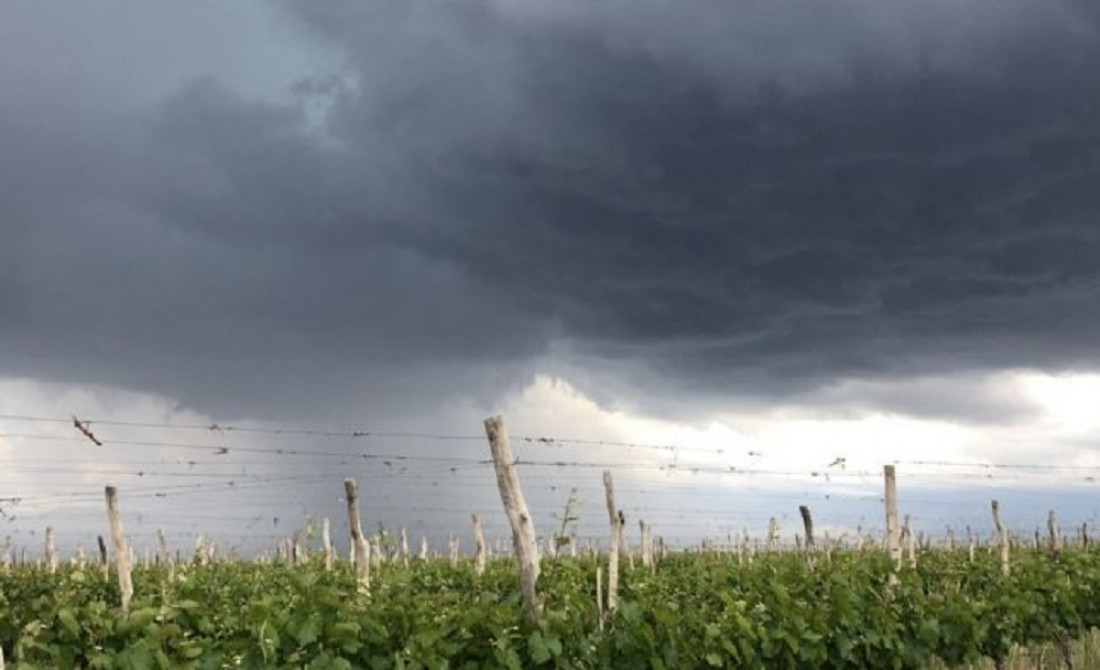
(1071, 400)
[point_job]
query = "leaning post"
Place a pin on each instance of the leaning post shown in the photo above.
(519, 517)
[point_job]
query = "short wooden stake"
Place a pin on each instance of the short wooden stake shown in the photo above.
(808, 525)
(404, 547)
(163, 556)
(1055, 536)
(647, 544)
(524, 538)
(479, 542)
(599, 594)
(326, 543)
(51, 551)
(122, 552)
(377, 556)
(1002, 536)
(910, 542)
(360, 548)
(893, 528)
(102, 554)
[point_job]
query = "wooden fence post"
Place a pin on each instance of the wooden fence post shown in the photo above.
(647, 544)
(1002, 536)
(893, 529)
(326, 543)
(122, 552)
(163, 556)
(1055, 536)
(808, 525)
(360, 548)
(519, 517)
(404, 547)
(479, 541)
(910, 542)
(599, 594)
(377, 556)
(51, 551)
(102, 554)
(613, 550)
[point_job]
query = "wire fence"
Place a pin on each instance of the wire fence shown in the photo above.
(253, 485)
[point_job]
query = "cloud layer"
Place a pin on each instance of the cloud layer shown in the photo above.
(686, 202)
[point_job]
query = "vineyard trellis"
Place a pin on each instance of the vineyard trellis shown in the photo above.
(1056, 571)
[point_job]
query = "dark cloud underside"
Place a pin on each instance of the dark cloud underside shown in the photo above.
(741, 199)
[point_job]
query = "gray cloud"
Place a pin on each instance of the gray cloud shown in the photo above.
(707, 199)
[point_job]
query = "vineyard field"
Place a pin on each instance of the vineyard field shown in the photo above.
(695, 610)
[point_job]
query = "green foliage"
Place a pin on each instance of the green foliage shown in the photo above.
(696, 611)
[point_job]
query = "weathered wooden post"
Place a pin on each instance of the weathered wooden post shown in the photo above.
(122, 553)
(295, 546)
(326, 542)
(102, 554)
(1055, 536)
(404, 547)
(647, 544)
(910, 542)
(613, 550)
(374, 548)
(519, 517)
(893, 528)
(808, 525)
(1002, 536)
(599, 594)
(163, 555)
(479, 542)
(360, 548)
(51, 551)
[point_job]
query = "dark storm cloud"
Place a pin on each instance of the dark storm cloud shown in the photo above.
(723, 198)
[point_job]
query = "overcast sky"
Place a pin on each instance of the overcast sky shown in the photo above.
(775, 234)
